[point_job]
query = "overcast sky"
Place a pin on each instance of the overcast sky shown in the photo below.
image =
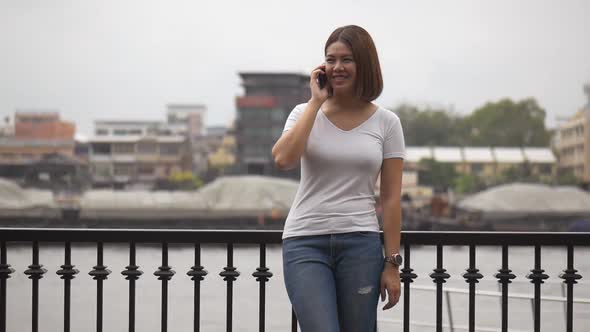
(127, 59)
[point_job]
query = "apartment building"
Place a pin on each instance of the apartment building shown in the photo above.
(261, 116)
(182, 120)
(120, 161)
(573, 143)
(191, 117)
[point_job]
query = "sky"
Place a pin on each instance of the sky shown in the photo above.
(128, 59)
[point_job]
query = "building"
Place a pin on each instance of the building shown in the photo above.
(35, 134)
(190, 117)
(6, 128)
(573, 143)
(138, 128)
(182, 120)
(121, 161)
(261, 114)
(42, 125)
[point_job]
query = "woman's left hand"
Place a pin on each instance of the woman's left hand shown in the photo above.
(390, 282)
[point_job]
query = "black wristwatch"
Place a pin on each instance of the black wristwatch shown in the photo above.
(395, 259)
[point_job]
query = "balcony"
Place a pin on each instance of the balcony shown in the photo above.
(130, 243)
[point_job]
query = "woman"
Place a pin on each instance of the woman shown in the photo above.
(332, 256)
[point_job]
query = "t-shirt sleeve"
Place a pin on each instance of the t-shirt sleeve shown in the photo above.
(394, 145)
(294, 116)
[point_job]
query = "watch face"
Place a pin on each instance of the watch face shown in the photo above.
(395, 259)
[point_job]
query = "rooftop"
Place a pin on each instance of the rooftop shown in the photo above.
(472, 154)
(135, 138)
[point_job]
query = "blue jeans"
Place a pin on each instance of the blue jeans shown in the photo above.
(333, 280)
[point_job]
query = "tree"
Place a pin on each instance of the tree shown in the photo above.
(501, 123)
(436, 174)
(567, 178)
(179, 181)
(468, 183)
(508, 123)
(424, 127)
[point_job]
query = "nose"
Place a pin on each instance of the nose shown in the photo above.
(338, 66)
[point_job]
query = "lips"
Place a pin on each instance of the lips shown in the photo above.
(339, 78)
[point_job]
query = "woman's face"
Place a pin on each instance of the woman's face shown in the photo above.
(340, 67)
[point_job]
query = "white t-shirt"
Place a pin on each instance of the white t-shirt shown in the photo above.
(338, 173)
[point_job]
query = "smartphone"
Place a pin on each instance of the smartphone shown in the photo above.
(322, 80)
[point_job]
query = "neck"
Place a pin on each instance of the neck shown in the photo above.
(345, 100)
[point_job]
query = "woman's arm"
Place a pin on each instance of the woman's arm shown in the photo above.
(391, 183)
(288, 149)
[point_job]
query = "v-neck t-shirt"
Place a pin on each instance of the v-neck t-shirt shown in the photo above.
(339, 169)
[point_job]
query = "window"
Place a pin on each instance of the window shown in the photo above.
(165, 132)
(277, 115)
(255, 115)
(101, 132)
(101, 148)
(545, 169)
(119, 132)
(101, 169)
(123, 169)
(147, 148)
(169, 149)
(135, 132)
(123, 148)
(146, 169)
(477, 168)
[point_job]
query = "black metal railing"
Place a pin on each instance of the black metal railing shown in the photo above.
(100, 273)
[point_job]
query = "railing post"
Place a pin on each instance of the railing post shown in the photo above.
(537, 276)
(570, 278)
(407, 276)
(164, 273)
(5, 271)
(262, 275)
(504, 277)
(35, 272)
(132, 273)
(67, 273)
(197, 274)
(99, 273)
(472, 277)
(439, 277)
(229, 274)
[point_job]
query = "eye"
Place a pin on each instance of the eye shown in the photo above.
(330, 60)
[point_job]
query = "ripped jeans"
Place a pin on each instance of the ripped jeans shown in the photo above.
(333, 280)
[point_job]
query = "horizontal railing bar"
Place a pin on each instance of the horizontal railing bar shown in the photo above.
(499, 294)
(140, 235)
(445, 325)
(273, 236)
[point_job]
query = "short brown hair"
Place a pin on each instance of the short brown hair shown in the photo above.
(369, 82)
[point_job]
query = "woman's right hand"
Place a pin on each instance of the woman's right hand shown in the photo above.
(317, 94)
